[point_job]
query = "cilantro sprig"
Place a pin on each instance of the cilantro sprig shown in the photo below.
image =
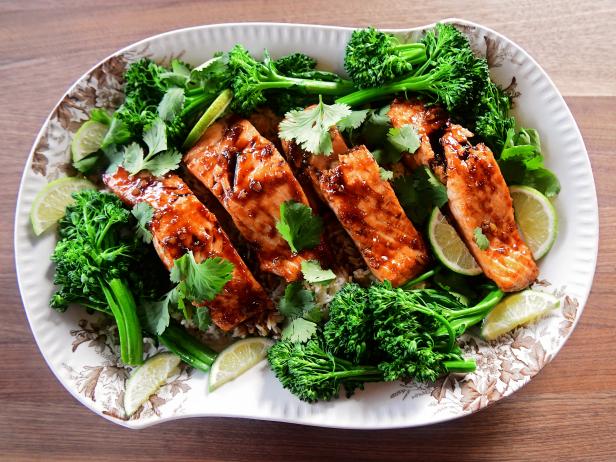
(310, 128)
(298, 226)
(196, 282)
(144, 213)
(480, 239)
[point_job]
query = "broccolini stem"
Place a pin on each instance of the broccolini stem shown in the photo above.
(192, 352)
(315, 87)
(368, 95)
(445, 325)
(460, 366)
(483, 307)
(413, 53)
(124, 309)
(420, 278)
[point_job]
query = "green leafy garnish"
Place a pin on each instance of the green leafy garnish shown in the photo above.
(204, 321)
(296, 301)
(312, 271)
(480, 239)
(386, 174)
(310, 128)
(201, 281)
(404, 139)
(143, 212)
(298, 226)
(419, 193)
(159, 159)
(135, 161)
(299, 331)
(156, 313)
(171, 104)
(521, 162)
(353, 120)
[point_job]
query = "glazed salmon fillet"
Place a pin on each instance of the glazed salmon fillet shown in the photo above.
(182, 223)
(349, 181)
(479, 198)
(426, 121)
(251, 180)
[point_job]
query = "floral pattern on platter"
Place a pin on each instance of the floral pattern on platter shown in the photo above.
(105, 383)
(503, 366)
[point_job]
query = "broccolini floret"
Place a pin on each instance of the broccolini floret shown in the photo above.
(373, 57)
(93, 259)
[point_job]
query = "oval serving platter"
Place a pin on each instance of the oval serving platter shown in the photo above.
(80, 349)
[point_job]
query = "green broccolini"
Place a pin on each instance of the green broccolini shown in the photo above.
(253, 80)
(451, 74)
(312, 373)
(349, 331)
(93, 258)
(373, 57)
(380, 333)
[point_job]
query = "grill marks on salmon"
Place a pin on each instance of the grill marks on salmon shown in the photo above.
(251, 180)
(349, 181)
(427, 121)
(182, 223)
(479, 198)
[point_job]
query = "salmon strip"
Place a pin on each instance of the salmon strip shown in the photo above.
(479, 198)
(349, 181)
(182, 223)
(426, 121)
(251, 180)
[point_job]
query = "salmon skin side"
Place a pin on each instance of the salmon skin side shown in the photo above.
(251, 179)
(349, 181)
(479, 198)
(182, 223)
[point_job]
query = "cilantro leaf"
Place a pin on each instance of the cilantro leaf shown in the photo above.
(204, 321)
(543, 180)
(299, 331)
(375, 127)
(133, 158)
(178, 75)
(156, 314)
(202, 281)
(115, 157)
(480, 239)
(310, 128)
(296, 301)
(100, 115)
(171, 104)
(521, 162)
(403, 139)
(143, 212)
(164, 162)
(353, 120)
(312, 271)
(419, 193)
(314, 314)
(298, 226)
(386, 174)
(155, 137)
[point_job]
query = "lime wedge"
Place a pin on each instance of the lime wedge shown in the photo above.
(236, 359)
(145, 380)
(516, 310)
(50, 203)
(449, 247)
(216, 109)
(536, 218)
(88, 139)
